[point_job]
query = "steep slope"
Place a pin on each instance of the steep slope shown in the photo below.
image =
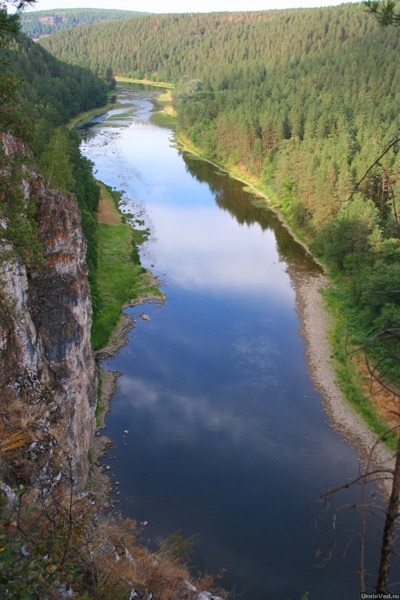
(48, 382)
(303, 100)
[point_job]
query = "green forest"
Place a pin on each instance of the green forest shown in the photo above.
(40, 94)
(46, 22)
(305, 101)
(302, 103)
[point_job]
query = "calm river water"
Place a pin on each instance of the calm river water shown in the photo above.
(227, 438)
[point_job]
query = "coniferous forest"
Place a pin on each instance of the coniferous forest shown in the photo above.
(304, 103)
(40, 94)
(51, 535)
(306, 100)
(46, 22)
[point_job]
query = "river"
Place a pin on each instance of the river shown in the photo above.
(219, 433)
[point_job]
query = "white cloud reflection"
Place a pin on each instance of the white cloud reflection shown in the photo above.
(179, 416)
(182, 418)
(206, 250)
(198, 245)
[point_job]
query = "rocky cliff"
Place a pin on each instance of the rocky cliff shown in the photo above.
(48, 382)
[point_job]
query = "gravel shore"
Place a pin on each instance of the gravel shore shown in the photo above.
(315, 329)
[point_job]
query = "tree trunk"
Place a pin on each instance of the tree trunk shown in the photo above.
(388, 532)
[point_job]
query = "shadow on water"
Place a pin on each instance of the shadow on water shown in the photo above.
(231, 195)
(227, 438)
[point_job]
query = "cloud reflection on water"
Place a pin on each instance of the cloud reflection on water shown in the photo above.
(226, 435)
(177, 417)
(219, 260)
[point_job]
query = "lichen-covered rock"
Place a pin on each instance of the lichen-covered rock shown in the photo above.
(48, 377)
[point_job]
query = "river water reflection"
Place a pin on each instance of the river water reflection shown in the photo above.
(227, 437)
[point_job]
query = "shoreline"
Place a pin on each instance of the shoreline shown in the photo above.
(316, 325)
(117, 340)
(100, 479)
(315, 328)
(184, 144)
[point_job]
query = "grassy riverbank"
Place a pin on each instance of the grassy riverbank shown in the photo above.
(87, 116)
(121, 280)
(165, 116)
(372, 402)
(352, 376)
(351, 372)
(161, 84)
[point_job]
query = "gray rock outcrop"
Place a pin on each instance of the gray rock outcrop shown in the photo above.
(48, 381)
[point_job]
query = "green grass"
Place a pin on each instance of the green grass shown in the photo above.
(118, 278)
(348, 377)
(163, 120)
(87, 116)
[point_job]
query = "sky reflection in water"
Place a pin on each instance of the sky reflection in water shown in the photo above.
(227, 436)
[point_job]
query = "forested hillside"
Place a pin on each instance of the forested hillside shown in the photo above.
(45, 22)
(39, 95)
(306, 100)
(56, 539)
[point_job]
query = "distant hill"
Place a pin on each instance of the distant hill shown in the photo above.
(305, 100)
(46, 22)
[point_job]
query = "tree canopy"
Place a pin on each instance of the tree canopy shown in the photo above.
(46, 22)
(39, 95)
(304, 99)
(385, 11)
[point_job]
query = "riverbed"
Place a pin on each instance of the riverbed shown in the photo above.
(219, 431)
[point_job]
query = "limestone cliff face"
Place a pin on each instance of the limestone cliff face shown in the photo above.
(48, 382)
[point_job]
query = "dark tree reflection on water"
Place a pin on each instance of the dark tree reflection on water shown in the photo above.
(228, 439)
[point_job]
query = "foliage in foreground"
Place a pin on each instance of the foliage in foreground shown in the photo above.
(57, 542)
